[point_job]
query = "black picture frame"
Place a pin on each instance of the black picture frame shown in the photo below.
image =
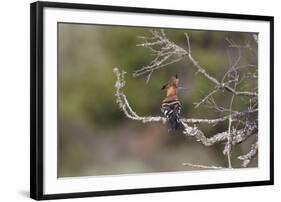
(36, 98)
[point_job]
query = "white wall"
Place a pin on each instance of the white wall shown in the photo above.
(14, 100)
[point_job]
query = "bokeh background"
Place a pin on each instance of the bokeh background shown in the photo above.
(95, 137)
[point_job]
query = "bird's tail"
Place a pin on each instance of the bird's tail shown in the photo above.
(174, 122)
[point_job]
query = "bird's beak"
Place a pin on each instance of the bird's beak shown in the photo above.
(164, 87)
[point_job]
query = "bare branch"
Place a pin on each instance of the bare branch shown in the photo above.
(188, 43)
(222, 119)
(238, 135)
(228, 146)
(123, 103)
(247, 158)
(202, 166)
(126, 108)
(212, 79)
(243, 93)
(241, 124)
(165, 51)
(205, 98)
(202, 70)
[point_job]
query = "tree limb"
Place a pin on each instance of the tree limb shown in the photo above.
(241, 124)
(247, 158)
(169, 53)
(238, 136)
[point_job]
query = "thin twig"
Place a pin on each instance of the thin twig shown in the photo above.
(205, 98)
(202, 166)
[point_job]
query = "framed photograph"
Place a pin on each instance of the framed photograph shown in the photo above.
(134, 100)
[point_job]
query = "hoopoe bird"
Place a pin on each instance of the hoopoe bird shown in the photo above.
(171, 106)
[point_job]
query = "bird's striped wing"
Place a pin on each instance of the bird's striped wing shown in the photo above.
(171, 111)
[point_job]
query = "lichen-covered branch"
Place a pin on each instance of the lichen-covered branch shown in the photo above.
(238, 135)
(192, 131)
(201, 166)
(221, 119)
(247, 158)
(123, 103)
(242, 124)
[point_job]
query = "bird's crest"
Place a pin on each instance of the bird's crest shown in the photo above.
(174, 83)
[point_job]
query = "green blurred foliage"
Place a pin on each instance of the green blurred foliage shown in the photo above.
(95, 137)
